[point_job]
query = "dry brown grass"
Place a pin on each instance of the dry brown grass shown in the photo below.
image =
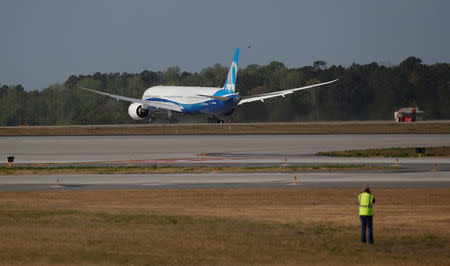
(62, 170)
(237, 128)
(228, 226)
(442, 151)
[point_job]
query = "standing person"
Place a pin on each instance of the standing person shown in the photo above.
(366, 201)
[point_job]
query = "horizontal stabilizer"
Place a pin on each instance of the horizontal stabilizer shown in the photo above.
(220, 98)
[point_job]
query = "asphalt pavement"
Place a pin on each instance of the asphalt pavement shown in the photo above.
(241, 150)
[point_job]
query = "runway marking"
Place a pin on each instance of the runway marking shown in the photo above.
(155, 184)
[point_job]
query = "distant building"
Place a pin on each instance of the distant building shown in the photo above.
(410, 114)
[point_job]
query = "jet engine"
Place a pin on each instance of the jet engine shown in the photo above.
(137, 112)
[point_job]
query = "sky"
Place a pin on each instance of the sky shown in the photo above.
(44, 42)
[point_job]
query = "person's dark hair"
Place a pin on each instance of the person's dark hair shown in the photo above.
(367, 189)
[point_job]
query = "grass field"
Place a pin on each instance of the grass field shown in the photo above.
(443, 151)
(226, 226)
(58, 170)
(235, 128)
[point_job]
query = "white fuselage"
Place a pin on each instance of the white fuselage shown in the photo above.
(182, 95)
(191, 99)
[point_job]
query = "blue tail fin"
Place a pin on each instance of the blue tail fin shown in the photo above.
(230, 83)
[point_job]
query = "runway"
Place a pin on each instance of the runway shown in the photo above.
(51, 149)
(335, 179)
(243, 150)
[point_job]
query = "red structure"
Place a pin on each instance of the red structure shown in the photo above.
(411, 114)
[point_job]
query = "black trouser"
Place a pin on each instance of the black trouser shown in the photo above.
(366, 221)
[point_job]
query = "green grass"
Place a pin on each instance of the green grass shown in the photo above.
(443, 151)
(323, 229)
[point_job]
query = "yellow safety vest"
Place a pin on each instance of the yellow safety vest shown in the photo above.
(365, 204)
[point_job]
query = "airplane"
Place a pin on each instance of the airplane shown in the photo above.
(197, 100)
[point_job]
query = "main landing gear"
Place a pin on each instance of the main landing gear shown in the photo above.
(213, 119)
(170, 118)
(151, 118)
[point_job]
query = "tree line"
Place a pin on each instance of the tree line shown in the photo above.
(363, 92)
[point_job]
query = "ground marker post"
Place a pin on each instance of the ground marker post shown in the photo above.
(420, 152)
(10, 160)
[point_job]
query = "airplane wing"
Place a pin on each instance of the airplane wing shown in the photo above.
(262, 97)
(154, 104)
